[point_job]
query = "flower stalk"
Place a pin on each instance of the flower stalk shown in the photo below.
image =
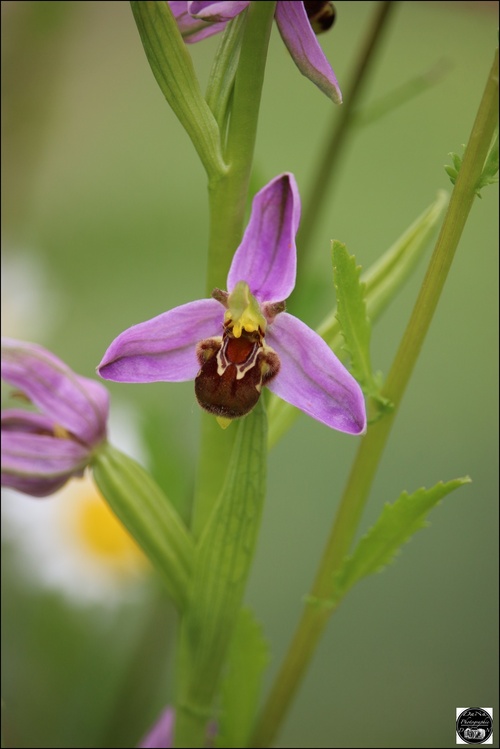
(227, 204)
(222, 565)
(316, 616)
(146, 512)
(228, 193)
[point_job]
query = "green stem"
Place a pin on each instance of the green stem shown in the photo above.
(223, 559)
(334, 148)
(228, 193)
(148, 515)
(315, 617)
(227, 201)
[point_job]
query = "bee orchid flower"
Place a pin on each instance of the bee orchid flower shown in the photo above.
(298, 24)
(42, 450)
(242, 339)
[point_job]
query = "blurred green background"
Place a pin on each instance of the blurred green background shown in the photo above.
(104, 200)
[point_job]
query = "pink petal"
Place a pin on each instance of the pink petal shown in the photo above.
(163, 349)
(313, 379)
(35, 486)
(267, 257)
(76, 403)
(38, 464)
(19, 420)
(300, 39)
(222, 11)
(160, 735)
(193, 29)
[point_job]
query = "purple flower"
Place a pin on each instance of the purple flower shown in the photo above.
(242, 339)
(161, 734)
(298, 24)
(42, 449)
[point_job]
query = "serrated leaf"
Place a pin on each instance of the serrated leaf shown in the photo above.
(490, 169)
(247, 658)
(353, 320)
(397, 523)
(351, 312)
(384, 279)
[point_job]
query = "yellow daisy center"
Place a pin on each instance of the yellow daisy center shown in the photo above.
(101, 533)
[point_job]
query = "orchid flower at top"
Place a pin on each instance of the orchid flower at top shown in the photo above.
(242, 339)
(298, 24)
(42, 450)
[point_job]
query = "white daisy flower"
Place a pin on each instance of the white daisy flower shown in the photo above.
(31, 300)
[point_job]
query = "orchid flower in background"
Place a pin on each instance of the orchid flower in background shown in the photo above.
(298, 24)
(42, 450)
(73, 543)
(161, 734)
(242, 339)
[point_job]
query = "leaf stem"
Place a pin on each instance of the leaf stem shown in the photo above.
(365, 466)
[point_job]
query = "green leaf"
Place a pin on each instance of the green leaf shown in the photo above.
(457, 160)
(452, 171)
(353, 320)
(490, 171)
(221, 80)
(386, 276)
(174, 72)
(247, 658)
(225, 552)
(405, 93)
(384, 279)
(351, 312)
(397, 523)
(145, 511)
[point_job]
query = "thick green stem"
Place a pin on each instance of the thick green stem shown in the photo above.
(202, 651)
(223, 560)
(228, 200)
(228, 193)
(370, 451)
